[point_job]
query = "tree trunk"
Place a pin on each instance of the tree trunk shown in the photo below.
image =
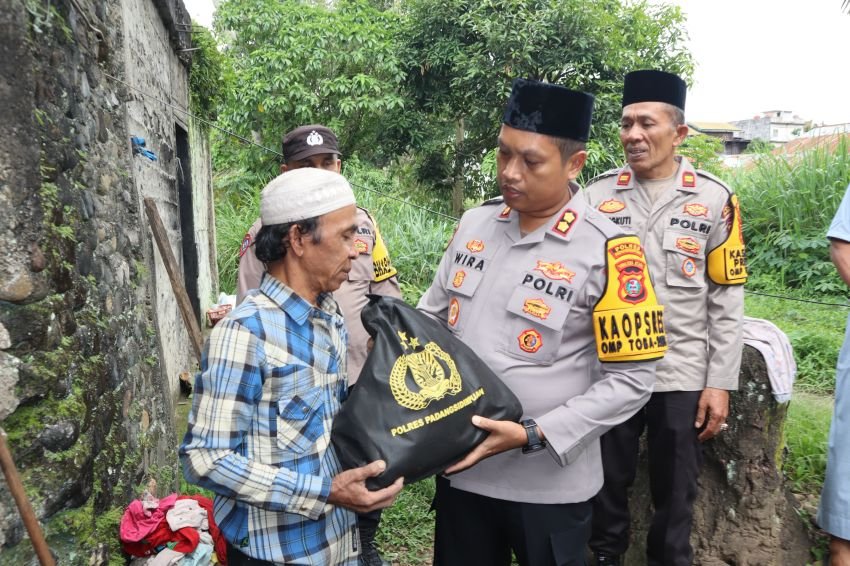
(744, 515)
(457, 188)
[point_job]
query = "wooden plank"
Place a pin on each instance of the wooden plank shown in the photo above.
(174, 274)
(16, 488)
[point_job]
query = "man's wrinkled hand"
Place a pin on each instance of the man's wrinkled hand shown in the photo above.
(504, 435)
(714, 406)
(349, 490)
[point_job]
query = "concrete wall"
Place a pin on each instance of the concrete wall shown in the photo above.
(154, 68)
(204, 216)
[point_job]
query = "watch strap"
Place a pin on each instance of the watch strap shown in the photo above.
(535, 443)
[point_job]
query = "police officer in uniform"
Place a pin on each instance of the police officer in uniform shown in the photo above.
(372, 272)
(543, 288)
(690, 225)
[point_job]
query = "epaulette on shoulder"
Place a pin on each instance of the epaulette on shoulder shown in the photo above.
(716, 179)
(492, 201)
(603, 224)
(366, 210)
(608, 173)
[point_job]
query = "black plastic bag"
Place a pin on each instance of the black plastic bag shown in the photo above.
(415, 398)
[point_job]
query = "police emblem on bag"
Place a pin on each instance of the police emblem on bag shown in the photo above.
(413, 402)
(432, 370)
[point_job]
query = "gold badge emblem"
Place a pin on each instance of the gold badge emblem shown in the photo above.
(611, 206)
(689, 180)
(632, 280)
(537, 308)
(475, 246)
(458, 279)
(555, 270)
(696, 209)
(429, 368)
(563, 225)
(624, 179)
(454, 311)
(361, 246)
(688, 244)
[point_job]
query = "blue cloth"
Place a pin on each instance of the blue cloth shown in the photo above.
(272, 380)
(834, 511)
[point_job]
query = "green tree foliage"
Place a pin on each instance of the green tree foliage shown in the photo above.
(209, 76)
(463, 54)
(704, 152)
(298, 63)
(759, 146)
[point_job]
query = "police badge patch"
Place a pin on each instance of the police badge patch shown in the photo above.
(246, 243)
(315, 138)
(611, 206)
(530, 341)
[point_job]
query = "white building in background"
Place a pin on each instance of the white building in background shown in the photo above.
(775, 126)
(829, 130)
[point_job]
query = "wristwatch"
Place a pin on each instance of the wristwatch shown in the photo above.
(535, 443)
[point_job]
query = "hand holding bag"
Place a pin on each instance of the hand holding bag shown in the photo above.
(415, 398)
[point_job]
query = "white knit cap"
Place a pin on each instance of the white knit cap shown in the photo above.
(303, 193)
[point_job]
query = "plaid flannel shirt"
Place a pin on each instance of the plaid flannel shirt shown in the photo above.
(272, 379)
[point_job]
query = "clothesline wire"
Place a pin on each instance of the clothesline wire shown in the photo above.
(267, 149)
(381, 193)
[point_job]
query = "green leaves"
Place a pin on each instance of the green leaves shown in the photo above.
(298, 62)
(462, 55)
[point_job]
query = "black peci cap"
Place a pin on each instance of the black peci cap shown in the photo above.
(553, 110)
(306, 141)
(654, 86)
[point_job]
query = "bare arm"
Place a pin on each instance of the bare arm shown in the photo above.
(839, 253)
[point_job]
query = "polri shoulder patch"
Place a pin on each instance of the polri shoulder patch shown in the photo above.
(627, 320)
(384, 268)
(246, 243)
(727, 263)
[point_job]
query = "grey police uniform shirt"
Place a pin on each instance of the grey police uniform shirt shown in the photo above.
(703, 319)
(371, 272)
(487, 275)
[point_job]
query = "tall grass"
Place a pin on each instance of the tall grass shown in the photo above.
(415, 225)
(806, 433)
(788, 203)
(815, 332)
(233, 218)
(414, 234)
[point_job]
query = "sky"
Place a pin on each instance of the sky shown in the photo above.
(751, 56)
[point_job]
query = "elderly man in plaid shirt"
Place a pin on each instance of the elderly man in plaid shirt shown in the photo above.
(273, 377)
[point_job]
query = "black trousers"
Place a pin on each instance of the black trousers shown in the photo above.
(474, 530)
(675, 456)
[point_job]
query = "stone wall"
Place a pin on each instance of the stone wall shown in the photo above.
(91, 340)
(744, 514)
